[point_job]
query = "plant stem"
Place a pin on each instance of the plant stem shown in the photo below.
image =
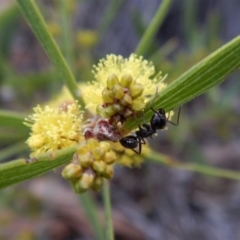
(66, 31)
(91, 211)
(108, 211)
(194, 167)
(39, 27)
(152, 29)
(22, 169)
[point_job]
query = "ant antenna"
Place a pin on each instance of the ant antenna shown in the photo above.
(175, 124)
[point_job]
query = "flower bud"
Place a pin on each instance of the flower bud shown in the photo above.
(126, 80)
(99, 166)
(97, 153)
(105, 146)
(138, 104)
(82, 150)
(118, 91)
(110, 110)
(110, 157)
(126, 100)
(85, 160)
(136, 90)
(92, 143)
(100, 110)
(107, 96)
(112, 80)
(72, 171)
(108, 173)
(86, 180)
(97, 184)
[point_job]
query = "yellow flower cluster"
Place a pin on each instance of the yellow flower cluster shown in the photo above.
(121, 86)
(54, 128)
(92, 162)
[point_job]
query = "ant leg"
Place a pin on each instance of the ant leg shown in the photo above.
(175, 124)
(138, 134)
(154, 110)
(142, 140)
(139, 146)
(139, 149)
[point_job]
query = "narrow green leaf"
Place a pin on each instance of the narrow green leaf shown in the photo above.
(23, 169)
(66, 31)
(108, 211)
(194, 167)
(208, 73)
(91, 212)
(39, 27)
(152, 29)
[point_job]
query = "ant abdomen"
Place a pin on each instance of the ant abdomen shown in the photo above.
(132, 142)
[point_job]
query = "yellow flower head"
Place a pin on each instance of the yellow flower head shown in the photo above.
(54, 128)
(121, 86)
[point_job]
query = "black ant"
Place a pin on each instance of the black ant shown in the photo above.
(157, 122)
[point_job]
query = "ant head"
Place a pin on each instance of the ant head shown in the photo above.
(158, 120)
(161, 112)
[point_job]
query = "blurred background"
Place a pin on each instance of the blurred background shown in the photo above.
(153, 202)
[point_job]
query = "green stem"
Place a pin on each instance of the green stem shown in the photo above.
(152, 29)
(39, 27)
(91, 211)
(108, 211)
(66, 30)
(194, 167)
